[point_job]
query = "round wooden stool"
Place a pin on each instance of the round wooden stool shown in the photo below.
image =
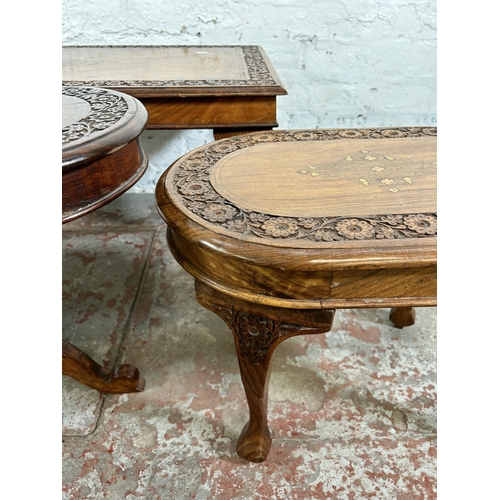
(101, 159)
(281, 228)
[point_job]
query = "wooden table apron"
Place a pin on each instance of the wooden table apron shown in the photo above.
(102, 158)
(279, 229)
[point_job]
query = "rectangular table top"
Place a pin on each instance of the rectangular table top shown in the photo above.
(170, 71)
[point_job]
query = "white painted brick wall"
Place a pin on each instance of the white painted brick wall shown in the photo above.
(344, 63)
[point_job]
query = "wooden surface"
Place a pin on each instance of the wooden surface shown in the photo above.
(402, 316)
(101, 158)
(257, 331)
(101, 153)
(331, 178)
(78, 365)
(153, 63)
(184, 86)
(266, 237)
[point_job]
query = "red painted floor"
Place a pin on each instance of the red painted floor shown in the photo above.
(353, 411)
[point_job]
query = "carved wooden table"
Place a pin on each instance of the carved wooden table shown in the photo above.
(279, 229)
(231, 89)
(101, 159)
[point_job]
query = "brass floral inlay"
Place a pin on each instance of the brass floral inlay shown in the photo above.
(392, 165)
(191, 182)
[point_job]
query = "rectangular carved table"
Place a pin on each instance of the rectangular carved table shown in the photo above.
(231, 89)
(282, 228)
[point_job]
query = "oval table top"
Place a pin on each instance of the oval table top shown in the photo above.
(101, 153)
(321, 190)
(309, 219)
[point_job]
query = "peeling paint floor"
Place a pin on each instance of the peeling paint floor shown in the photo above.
(352, 412)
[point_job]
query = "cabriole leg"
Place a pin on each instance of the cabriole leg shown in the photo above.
(257, 331)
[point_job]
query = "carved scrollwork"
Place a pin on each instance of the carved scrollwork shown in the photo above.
(192, 183)
(106, 109)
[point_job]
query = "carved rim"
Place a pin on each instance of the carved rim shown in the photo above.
(115, 119)
(187, 185)
(257, 67)
(107, 108)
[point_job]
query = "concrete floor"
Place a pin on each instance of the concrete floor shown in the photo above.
(353, 412)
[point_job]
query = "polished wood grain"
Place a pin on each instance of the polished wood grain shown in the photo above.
(102, 158)
(402, 316)
(217, 87)
(78, 365)
(206, 112)
(271, 244)
(257, 331)
(331, 178)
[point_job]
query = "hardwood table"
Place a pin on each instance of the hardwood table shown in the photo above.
(282, 228)
(101, 159)
(230, 89)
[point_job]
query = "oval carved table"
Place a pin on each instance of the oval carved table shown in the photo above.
(282, 228)
(101, 159)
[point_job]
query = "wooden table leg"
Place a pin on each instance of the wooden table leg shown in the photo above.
(81, 367)
(257, 331)
(402, 316)
(226, 133)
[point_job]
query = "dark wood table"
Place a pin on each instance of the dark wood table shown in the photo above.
(231, 89)
(282, 228)
(101, 159)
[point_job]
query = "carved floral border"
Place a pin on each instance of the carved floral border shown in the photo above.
(191, 182)
(257, 69)
(107, 108)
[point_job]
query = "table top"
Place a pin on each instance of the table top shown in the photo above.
(308, 219)
(172, 71)
(312, 188)
(96, 121)
(101, 153)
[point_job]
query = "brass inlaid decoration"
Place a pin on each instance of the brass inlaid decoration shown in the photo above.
(191, 182)
(382, 170)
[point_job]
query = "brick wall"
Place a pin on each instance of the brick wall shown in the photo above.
(345, 63)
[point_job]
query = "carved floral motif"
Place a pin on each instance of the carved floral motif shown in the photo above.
(191, 181)
(256, 335)
(107, 108)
